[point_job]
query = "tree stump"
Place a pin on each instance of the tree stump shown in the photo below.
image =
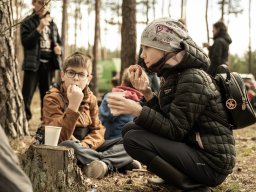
(53, 169)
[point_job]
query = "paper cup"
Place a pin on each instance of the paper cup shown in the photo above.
(52, 134)
(117, 95)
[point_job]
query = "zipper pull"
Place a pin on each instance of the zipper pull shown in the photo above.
(243, 103)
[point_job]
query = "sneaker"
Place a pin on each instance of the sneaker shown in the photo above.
(133, 165)
(96, 169)
(156, 180)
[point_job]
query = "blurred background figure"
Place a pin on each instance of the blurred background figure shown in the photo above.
(251, 95)
(219, 50)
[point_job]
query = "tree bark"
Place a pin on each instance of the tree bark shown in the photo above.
(13, 118)
(96, 47)
(128, 34)
(53, 169)
(64, 28)
(222, 10)
(206, 21)
(18, 47)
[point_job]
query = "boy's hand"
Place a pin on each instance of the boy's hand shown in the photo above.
(75, 97)
(57, 49)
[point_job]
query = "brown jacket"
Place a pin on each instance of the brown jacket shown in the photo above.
(55, 112)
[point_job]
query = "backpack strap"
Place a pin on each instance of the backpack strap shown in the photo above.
(218, 119)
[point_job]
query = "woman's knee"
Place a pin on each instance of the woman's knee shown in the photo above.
(127, 127)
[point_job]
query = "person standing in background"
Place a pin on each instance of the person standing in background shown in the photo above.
(41, 43)
(219, 51)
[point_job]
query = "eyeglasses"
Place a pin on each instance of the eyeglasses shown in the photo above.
(72, 74)
(43, 2)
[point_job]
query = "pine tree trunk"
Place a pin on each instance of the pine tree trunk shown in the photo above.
(128, 33)
(64, 29)
(12, 117)
(53, 169)
(96, 47)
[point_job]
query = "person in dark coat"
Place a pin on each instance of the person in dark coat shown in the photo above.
(219, 51)
(171, 134)
(42, 48)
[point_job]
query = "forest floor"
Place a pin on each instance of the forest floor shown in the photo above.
(243, 178)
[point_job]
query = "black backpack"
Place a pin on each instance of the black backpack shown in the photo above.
(232, 88)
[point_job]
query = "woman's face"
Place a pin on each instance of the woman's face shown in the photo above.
(151, 55)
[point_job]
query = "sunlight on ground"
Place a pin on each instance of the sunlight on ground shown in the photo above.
(35, 108)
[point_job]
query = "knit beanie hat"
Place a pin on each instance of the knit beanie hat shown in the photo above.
(164, 34)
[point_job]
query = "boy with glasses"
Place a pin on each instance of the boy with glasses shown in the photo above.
(73, 107)
(41, 43)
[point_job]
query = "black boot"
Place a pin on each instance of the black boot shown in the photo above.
(173, 176)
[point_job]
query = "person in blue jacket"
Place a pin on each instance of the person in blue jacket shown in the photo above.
(114, 124)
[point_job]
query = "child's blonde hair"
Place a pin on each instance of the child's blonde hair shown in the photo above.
(78, 59)
(126, 78)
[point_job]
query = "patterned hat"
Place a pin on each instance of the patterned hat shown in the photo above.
(164, 34)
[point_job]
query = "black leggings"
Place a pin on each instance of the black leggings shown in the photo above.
(144, 146)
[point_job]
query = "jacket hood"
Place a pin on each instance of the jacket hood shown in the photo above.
(225, 36)
(192, 56)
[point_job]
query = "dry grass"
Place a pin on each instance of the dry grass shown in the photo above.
(243, 178)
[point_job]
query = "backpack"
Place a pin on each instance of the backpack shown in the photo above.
(240, 112)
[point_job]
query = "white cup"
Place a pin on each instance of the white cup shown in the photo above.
(117, 95)
(52, 134)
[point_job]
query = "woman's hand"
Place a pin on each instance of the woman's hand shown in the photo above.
(140, 82)
(120, 106)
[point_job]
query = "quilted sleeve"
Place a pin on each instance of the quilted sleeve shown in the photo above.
(180, 108)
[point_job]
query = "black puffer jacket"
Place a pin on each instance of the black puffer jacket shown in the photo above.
(177, 113)
(218, 52)
(30, 39)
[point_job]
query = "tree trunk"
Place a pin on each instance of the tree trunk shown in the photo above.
(182, 9)
(13, 118)
(147, 10)
(222, 10)
(206, 21)
(18, 47)
(128, 34)
(53, 169)
(96, 47)
(64, 29)
(250, 42)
